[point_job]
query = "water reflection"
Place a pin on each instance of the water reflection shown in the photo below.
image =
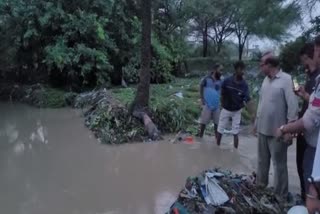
(50, 164)
(40, 134)
(23, 135)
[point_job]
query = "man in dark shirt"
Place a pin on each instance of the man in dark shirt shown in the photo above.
(306, 57)
(234, 96)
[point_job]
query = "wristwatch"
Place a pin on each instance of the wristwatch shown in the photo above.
(282, 129)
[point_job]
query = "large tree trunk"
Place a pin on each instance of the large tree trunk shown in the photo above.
(205, 40)
(142, 95)
(140, 104)
(241, 44)
(240, 49)
(219, 46)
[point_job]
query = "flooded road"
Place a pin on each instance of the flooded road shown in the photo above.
(50, 163)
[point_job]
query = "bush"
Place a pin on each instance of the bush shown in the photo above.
(200, 66)
(289, 55)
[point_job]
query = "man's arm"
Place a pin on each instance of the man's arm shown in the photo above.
(303, 94)
(259, 104)
(292, 102)
(309, 121)
(202, 84)
(246, 94)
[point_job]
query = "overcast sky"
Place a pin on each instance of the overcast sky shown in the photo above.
(292, 33)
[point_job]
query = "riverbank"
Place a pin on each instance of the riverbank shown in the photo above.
(174, 107)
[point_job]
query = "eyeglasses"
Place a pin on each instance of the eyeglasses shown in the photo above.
(262, 64)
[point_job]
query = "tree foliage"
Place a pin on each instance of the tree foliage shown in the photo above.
(90, 43)
(270, 21)
(289, 55)
(86, 43)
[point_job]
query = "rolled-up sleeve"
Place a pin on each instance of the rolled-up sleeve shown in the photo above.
(311, 119)
(292, 102)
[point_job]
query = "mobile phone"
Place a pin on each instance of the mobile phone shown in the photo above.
(295, 85)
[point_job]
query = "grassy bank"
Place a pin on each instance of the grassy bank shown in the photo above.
(175, 106)
(38, 95)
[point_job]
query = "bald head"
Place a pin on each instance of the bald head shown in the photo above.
(267, 54)
(269, 63)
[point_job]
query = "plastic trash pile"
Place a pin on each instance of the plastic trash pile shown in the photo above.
(218, 191)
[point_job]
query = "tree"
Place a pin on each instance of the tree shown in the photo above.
(140, 104)
(270, 20)
(63, 40)
(212, 20)
(222, 23)
(201, 13)
(289, 55)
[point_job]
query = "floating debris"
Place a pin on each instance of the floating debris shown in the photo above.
(219, 191)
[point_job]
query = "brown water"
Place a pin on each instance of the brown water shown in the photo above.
(50, 163)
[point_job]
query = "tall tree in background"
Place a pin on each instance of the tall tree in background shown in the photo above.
(142, 95)
(222, 22)
(201, 13)
(212, 20)
(268, 21)
(140, 105)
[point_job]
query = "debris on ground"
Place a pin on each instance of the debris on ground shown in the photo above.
(109, 119)
(183, 137)
(219, 191)
(179, 94)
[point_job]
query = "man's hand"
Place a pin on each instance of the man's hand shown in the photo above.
(279, 133)
(313, 203)
(287, 138)
(254, 130)
(301, 92)
(202, 102)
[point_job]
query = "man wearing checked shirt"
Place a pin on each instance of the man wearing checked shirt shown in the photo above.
(310, 122)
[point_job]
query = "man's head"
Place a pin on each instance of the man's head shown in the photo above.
(269, 63)
(316, 55)
(217, 71)
(239, 68)
(306, 56)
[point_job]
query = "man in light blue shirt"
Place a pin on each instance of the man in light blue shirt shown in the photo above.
(210, 87)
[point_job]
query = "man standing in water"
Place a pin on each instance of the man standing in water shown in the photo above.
(234, 96)
(210, 99)
(277, 105)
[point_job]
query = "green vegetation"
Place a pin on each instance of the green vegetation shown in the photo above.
(79, 45)
(169, 111)
(48, 98)
(93, 44)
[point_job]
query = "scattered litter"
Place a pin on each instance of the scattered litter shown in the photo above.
(179, 94)
(220, 191)
(183, 137)
(213, 193)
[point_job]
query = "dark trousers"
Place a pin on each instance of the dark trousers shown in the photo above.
(308, 159)
(301, 148)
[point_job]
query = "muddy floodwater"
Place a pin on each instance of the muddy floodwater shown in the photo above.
(50, 163)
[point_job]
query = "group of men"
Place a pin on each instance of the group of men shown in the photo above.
(277, 119)
(233, 92)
